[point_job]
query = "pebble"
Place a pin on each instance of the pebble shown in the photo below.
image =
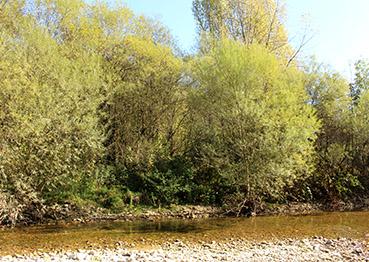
(312, 249)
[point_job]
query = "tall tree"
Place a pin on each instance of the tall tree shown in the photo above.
(359, 124)
(58, 74)
(247, 21)
(250, 121)
(49, 100)
(361, 81)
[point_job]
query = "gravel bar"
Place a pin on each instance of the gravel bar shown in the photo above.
(311, 249)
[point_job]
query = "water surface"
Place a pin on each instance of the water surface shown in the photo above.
(140, 234)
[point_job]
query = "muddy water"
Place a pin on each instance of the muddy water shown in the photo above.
(147, 234)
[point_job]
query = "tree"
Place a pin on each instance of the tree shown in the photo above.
(328, 93)
(247, 21)
(96, 27)
(250, 121)
(50, 135)
(61, 70)
(359, 124)
(146, 105)
(361, 81)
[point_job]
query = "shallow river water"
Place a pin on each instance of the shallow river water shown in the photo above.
(145, 234)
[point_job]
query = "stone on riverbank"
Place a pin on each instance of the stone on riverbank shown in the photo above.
(313, 249)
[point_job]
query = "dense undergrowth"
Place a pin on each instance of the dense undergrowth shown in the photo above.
(100, 107)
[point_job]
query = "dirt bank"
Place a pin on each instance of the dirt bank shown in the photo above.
(70, 213)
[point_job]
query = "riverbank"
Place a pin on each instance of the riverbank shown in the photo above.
(70, 213)
(310, 249)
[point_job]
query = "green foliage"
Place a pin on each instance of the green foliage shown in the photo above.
(49, 122)
(361, 83)
(250, 121)
(97, 107)
(146, 104)
(360, 137)
(168, 182)
(247, 21)
(111, 198)
(56, 77)
(341, 143)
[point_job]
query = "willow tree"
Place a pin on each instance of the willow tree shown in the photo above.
(50, 136)
(251, 124)
(57, 78)
(96, 26)
(248, 21)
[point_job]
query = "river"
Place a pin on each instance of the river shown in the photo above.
(139, 234)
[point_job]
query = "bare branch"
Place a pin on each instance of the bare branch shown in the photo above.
(304, 41)
(274, 18)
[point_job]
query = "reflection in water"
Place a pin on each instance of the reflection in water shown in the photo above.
(142, 227)
(145, 227)
(349, 225)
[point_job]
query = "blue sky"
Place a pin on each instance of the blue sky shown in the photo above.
(340, 28)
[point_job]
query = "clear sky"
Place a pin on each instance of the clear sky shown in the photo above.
(340, 28)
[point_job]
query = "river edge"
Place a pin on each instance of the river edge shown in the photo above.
(239, 238)
(71, 214)
(308, 249)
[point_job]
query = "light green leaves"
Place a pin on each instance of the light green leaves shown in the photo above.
(253, 114)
